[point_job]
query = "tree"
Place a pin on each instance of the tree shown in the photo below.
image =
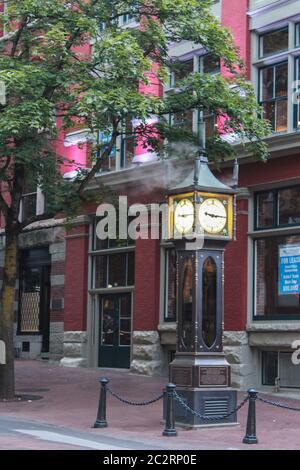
(48, 76)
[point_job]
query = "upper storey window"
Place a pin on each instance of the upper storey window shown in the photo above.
(210, 63)
(274, 95)
(274, 42)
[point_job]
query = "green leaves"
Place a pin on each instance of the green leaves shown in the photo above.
(76, 62)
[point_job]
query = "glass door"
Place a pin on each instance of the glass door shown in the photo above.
(115, 330)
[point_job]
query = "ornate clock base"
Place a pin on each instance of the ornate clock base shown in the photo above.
(203, 383)
(210, 403)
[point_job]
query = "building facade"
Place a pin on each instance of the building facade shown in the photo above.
(105, 304)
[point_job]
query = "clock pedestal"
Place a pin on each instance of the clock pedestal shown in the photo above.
(199, 369)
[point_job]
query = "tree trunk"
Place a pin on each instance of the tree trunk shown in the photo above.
(7, 376)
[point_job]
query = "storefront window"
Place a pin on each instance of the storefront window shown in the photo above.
(277, 257)
(278, 276)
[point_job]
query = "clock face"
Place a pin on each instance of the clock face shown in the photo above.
(213, 216)
(184, 216)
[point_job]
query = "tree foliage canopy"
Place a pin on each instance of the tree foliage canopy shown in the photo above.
(48, 74)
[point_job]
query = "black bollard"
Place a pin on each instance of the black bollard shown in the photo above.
(250, 437)
(101, 416)
(170, 422)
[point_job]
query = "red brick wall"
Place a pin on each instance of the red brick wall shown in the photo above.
(235, 288)
(234, 16)
(147, 280)
(283, 168)
(76, 279)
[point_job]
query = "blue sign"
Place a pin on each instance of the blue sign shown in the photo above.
(289, 269)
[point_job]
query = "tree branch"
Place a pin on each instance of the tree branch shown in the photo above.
(98, 164)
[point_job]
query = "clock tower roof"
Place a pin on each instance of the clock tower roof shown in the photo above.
(201, 178)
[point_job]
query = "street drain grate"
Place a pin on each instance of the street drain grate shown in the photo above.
(21, 398)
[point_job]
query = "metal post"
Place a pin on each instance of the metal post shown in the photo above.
(250, 437)
(101, 416)
(170, 422)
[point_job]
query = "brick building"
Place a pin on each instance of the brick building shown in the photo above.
(87, 302)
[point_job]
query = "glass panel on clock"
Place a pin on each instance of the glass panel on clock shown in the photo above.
(186, 327)
(209, 302)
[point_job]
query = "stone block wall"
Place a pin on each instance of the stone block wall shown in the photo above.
(74, 349)
(242, 359)
(146, 353)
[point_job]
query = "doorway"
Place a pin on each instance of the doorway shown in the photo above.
(34, 295)
(115, 330)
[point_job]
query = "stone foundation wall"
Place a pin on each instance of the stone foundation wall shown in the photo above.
(56, 349)
(74, 349)
(242, 359)
(147, 357)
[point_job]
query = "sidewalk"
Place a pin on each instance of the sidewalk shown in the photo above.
(70, 400)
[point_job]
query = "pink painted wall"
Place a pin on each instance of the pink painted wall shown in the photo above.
(76, 156)
(234, 16)
(154, 87)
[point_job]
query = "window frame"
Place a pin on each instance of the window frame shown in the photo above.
(276, 213)
(272, 317)
(261, 101)
(297, 33)
(107, 251)
(261, 36)
(261, 233)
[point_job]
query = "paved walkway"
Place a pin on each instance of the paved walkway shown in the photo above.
(63, 418)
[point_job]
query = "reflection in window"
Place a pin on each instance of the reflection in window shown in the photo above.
(113, 270)
(289, 206)
(273, 95)
(184, 120)
(211, 64)
(265, 209)
(108, 320)
(186, 339)
(274, 42)
(183, 70)
(269, 367)
(280, 207)
(271, 280)
(209, 302)
(170, 285)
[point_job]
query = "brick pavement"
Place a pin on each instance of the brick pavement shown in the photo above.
(70, 400)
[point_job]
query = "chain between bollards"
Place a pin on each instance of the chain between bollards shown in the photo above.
(170, 430)
(250, 437)
(101, 416)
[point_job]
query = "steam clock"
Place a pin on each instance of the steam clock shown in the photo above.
(201, 206)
